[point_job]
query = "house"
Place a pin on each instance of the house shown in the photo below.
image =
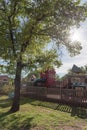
(75, 81)
(4, 79)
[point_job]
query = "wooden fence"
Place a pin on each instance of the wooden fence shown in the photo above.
(66, 96)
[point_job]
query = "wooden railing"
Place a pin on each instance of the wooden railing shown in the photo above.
(70, 96)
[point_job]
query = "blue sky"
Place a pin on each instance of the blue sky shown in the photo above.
(79, 60)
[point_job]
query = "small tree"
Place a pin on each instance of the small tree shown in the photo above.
(26, 26)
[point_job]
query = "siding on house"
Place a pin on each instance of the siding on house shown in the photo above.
(4, 79)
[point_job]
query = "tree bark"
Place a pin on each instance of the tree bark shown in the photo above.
(16, 99)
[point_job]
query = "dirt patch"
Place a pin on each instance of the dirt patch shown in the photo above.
(60, 128)
(77, 126)
(69, 128)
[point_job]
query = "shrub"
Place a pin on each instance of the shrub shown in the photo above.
(6, 89)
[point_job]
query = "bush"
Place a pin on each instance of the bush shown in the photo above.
(6, 89)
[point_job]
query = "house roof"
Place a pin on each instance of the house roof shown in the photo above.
(76, 69)
(4, 77)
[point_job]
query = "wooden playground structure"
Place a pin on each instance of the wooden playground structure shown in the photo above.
(72, 90)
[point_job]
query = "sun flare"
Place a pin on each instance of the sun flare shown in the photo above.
(75, 35)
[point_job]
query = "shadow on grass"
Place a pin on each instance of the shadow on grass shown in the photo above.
(15, 121)
(75, 111)
(4, 114)
(80, 112)
(5, 103)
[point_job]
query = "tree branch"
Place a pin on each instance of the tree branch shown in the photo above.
(11, 35)
(10, 19)
(38, 19)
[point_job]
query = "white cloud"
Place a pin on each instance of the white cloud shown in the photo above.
(79, 61)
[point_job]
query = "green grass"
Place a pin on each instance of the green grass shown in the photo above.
(37, 115)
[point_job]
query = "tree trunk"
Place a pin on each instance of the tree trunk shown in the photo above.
(16, 99)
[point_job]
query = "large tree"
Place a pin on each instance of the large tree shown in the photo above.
(25, 27)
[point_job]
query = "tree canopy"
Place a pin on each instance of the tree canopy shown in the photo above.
(27, 26)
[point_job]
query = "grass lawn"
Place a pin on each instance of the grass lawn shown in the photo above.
(37, 115)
